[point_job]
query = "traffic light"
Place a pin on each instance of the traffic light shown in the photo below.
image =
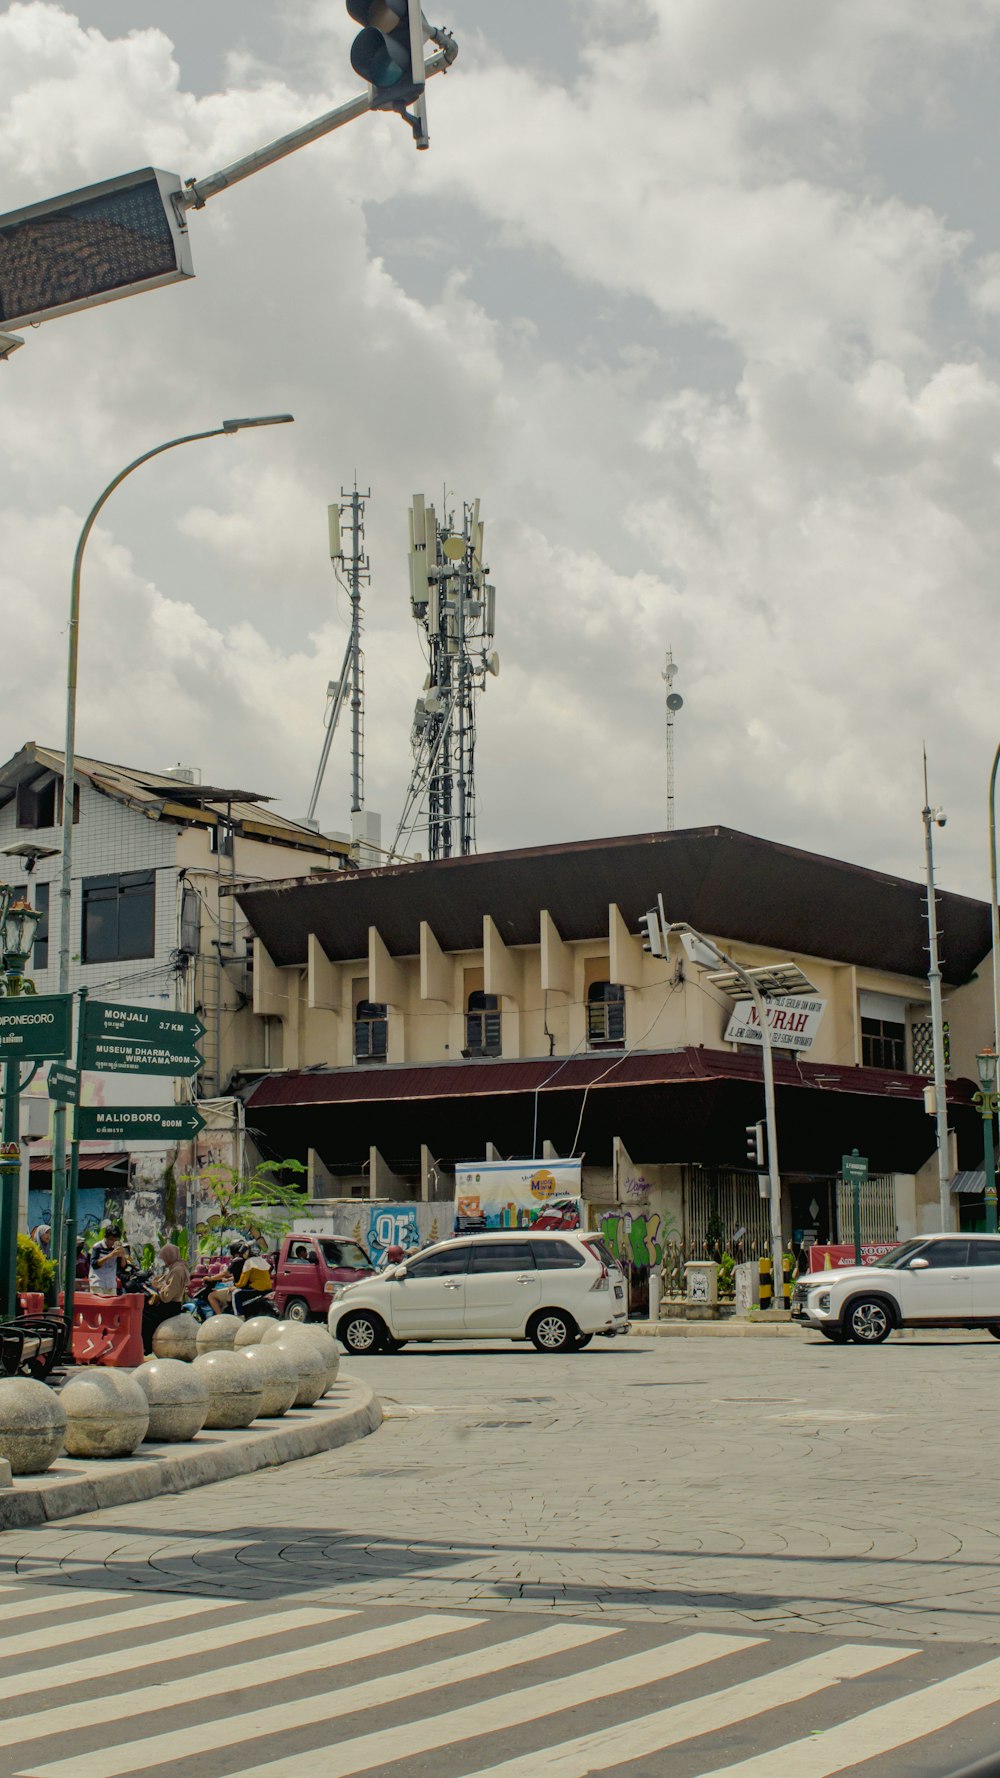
(389, 51)
(755, 1146)
(651, 933)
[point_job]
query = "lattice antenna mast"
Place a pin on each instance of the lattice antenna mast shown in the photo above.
(674, 702)
(353, 571)
(456, 608)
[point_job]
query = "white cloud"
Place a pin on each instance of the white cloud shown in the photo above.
(812, 525)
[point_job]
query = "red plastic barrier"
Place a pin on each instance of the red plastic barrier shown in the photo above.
(30, 1302)
(107, 1329)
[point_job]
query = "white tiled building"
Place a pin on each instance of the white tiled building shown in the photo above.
(154, 921)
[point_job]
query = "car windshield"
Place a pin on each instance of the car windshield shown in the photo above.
(891, 1262)
(347, 1254)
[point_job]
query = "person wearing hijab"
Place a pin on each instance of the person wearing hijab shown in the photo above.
(166, 1293)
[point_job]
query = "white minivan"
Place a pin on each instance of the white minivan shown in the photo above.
(556, 1289)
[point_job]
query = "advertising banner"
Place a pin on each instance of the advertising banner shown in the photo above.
(792, 1022)
(518, 1195)
(826, 1259)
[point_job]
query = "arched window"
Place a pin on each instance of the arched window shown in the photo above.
(605, 1016)
(371, 1032)
(482, 1025)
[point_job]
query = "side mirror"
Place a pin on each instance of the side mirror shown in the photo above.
(919, 1265)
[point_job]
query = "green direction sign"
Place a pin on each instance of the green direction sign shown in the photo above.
(63, 1084)
(138, 1123)
(35, 1027)
(141, 1024)
(119, 1055)
(854, 1168)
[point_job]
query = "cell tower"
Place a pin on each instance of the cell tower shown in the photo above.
(456, 608)
(674, 703)
(349, 518)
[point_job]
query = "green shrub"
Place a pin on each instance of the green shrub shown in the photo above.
(34, 1271)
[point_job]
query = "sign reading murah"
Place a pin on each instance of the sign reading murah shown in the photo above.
(35, 1027)
(792, 1022)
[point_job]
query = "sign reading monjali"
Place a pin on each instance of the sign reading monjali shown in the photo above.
(140, 1024)
(35, 1027)
(792, 1022)
(518, 1195)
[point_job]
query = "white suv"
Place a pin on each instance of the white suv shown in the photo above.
(933, 1281)
(557, 1290)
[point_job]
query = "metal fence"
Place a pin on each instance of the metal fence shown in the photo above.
(878, 1210)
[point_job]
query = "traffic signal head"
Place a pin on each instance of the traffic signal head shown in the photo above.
(755, 1145)
(388, 52)
(651, 933)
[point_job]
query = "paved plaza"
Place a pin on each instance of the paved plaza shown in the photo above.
(780, 1501)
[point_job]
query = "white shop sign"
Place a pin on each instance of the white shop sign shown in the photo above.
(793, 1022)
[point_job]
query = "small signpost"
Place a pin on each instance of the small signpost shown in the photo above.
(140, 1024)
(854, 1172)
(63, 1084)
(125, 1055)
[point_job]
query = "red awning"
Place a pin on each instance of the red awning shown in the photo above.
(451, 1080)
(89, 1163)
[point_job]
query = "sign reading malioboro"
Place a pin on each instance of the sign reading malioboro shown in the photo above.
(792, 1021)
(35, 1027)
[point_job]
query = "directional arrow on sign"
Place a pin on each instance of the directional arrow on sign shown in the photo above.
(120, 1055)
(138, 1123)
(141, 1024)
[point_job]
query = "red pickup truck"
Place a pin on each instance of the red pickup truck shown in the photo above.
(308, 1269)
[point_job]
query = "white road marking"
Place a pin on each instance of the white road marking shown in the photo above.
(877, 1731)
(136, 1614)
(491, 1715)
(154, 1654)
(646, 1735)
(140, 1753)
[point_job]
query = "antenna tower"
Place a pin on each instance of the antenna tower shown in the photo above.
(674, 703)
(456, 608)
(352, 569)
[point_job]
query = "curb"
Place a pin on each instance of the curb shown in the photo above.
(712, 1330)
(348, 1411)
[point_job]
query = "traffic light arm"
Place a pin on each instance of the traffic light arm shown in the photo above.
(198, 191)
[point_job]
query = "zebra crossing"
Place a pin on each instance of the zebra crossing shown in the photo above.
(96, 1683)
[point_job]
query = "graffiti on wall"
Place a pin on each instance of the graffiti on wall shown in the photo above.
(392, 1225)
(634, 1237)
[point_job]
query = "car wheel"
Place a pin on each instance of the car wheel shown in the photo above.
(994, 1329)
(552, 1331)
(581, 1341)
(868, 1322)
(297, 1309)
(361, 1334)
(836, 1334)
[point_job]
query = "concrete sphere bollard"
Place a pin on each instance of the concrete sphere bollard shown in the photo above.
(277, 1330)
(218, 1333)
(277, 1376)
(235, 1393)
(32, 1425)
(106, 1414)
(177, 1397)
(321, 1340)
(177, 1337)
(312, 1366)
(253, 1331)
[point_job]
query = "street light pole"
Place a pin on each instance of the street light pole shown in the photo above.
(17, 931)
(691, 940)
(930, 818)
(994, 909)
(227, 429)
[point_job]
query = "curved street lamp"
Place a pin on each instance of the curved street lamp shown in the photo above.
(988, 1101)
(227, 429)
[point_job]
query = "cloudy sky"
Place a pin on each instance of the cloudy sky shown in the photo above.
(700, 297)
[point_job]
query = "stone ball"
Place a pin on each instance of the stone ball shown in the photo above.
(107, 1413)
(252, 1332)
(177, 1337)
(318, 1336)
(32, 1425)
(278, 1378)
(235, 1393)
(218, 1333)
(276, 1330)
(177, 1397)
(312, 1366)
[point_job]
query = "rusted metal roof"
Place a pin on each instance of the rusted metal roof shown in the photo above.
(726, 883)
(460, 1080)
